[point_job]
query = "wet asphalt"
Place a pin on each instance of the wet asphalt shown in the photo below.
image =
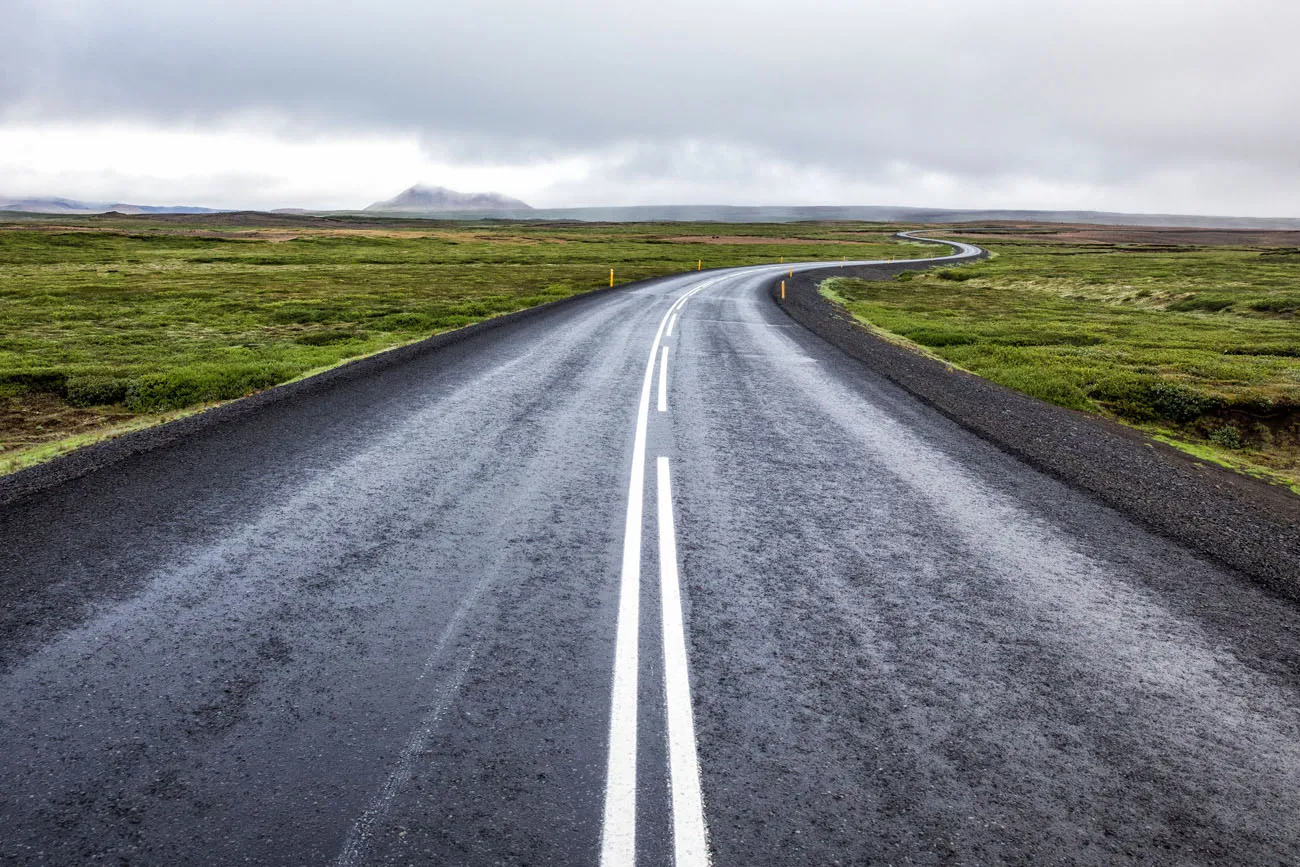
(376, 625)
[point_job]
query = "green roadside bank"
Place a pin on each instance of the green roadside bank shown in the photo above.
(1196, 345)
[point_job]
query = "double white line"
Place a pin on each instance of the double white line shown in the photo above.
(618, 841)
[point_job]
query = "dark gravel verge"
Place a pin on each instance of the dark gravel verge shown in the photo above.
(22, 483)
(1241, 522)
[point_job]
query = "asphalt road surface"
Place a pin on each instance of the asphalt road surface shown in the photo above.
(545, 597)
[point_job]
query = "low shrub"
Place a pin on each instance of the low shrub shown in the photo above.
(1046, 338)
(1278, 350)
(404, 322)
(50, 380)
(1178, 402)
(305, 314)
(1195, 303)
(1227, 437)
(97, 390)
(1276, 305)
(328, 338)
(955, 275)
(1046, 384)
(200, 383)
(940, 337)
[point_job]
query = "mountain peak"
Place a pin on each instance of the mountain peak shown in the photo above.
(421, 198)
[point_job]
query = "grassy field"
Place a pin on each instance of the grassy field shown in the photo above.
(1196, 343)
(111, 323)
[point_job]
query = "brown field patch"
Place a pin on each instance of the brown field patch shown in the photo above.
(37, 417)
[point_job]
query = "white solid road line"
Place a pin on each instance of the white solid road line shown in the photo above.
(672, 320)
(663, 380)
(618, 833)
(618, 836)
(690, 835)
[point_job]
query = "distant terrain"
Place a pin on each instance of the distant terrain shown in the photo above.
(117, 322)
(889, 214)
(73, 206)
(426, 201)
(431, 200)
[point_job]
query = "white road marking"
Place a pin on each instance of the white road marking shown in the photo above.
(618, 834)
(618, 837)
(663, 380)
(690, 835)
(672, 320)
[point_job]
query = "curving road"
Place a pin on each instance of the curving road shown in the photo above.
(545, 597)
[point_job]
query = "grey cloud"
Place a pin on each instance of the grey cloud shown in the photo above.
(1090, 92)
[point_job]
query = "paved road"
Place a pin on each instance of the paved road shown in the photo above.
(419, 620)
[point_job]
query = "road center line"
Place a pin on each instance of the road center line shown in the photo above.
(690, 835)
(618, 839)
(672, 320)
(663, 380)
(618, 834)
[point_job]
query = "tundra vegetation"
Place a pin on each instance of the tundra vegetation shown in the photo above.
(112, 323)
(1197, 343)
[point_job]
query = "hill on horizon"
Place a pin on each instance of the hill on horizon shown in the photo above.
(422, 199)
(56, 205)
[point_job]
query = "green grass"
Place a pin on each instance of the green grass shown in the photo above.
(1200, 345)
(111, 322)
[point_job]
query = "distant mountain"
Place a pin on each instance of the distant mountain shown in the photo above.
(72, 207)
(433, 200)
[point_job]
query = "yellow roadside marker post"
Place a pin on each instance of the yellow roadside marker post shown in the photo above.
(782, 262)
(611, 276)
(792, 272)
(699, 265)
(782, 290)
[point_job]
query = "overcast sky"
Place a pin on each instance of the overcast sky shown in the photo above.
(1139, 105)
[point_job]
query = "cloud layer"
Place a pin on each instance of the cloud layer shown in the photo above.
(1155, 106)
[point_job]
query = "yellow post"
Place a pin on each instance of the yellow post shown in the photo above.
(699, 265)
(782, 290)
(611, 276)
(792, 272)
(782, 262)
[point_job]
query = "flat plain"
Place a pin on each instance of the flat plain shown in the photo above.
(113, 323)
